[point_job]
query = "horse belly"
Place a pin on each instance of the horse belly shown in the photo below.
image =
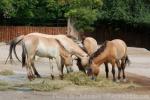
(46, 51)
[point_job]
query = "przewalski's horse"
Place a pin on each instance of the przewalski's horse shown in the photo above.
(89, 45)
(42, 47)
(110, 52)
(68, 43)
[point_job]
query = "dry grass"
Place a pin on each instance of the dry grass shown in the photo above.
(47, 84)
(72, 79)
(6, 72)
(4, 86)
(80, 79)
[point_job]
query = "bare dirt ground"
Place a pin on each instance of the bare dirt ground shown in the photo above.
(138, 72)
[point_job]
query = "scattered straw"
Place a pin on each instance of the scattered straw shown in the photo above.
(6, 72)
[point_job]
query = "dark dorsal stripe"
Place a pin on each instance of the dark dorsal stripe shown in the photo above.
(99, 50)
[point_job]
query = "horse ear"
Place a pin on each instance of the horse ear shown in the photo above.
(105, 43)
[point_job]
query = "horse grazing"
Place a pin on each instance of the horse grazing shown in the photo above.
(42, 47)
(110, 52)
(89, 45)
(67, 43)
(70, 46)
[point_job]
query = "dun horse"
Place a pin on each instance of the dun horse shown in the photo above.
(42, 47)
(89, 45)
(70, 45)
(110, 52)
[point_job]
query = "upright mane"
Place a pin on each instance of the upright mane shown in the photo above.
(80, 43)
(99, 50)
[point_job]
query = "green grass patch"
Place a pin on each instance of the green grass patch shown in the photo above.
(6, 72)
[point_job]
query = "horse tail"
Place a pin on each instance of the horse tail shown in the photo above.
(24, 53)
(127, 60)
(12, 47)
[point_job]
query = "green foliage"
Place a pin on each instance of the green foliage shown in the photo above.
(83, 13)
(6, 8)
(130, 11)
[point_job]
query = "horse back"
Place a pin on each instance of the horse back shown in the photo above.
(119, 48)
(90, 45)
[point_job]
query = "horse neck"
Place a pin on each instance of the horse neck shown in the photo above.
(80, 53)
(75, 49)
(64, 53)
(100, 58)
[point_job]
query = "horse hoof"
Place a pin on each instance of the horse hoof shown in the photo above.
(124, 80)
(114, 80)
(93, 78)
(33, 77)
(61, 77)
(38, 76)
(52, 76)
(29, 77)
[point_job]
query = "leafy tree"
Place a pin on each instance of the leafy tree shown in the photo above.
(6, 8)
(83, 13)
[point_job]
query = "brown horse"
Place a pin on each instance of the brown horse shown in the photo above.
(42, 47)
(110, 52)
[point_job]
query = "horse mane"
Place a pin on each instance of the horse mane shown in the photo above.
(77, 42)
(60, 44)
(99, 50)
(71, 37)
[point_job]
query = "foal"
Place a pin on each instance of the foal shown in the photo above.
(110, 52)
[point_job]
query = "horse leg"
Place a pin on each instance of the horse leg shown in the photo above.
(51, 68)
(30, 60)
(106, 69)
(113, 72)
(35, 71)
(81, 68)
(119, 70)
(29, 70)
(123, 70)
(60, 68)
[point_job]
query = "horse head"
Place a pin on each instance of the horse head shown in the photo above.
(93, 71)
(85, 60)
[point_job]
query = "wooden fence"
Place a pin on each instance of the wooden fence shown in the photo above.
(133, 39)
(100, 34)
(9, 32)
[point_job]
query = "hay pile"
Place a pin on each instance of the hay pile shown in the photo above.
(72, 79)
